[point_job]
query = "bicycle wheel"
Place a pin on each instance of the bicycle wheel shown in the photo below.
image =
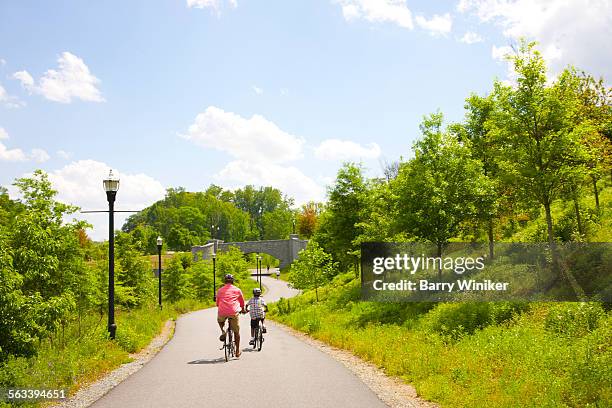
(226, 346)
(231, 345)
(259, 336)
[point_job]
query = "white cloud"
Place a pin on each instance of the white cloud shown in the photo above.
(437, 25)
(500, 53)
(17, 155)
(214, 5)
(255, 139)
(10, 155)
(334, 149)
(72, 80)
(9, 101)
(378, 11)
(288, 179)
(62, 154)
(569, 32)
(471, 37)
(2, 62)
(39, 155)
(80, 183)
(257, 90)
(284, 91)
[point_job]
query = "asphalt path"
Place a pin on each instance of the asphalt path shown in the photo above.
(191, 371)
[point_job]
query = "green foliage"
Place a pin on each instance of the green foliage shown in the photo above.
(339, 224)
(441, 187)
(574, 319)
(41, 267)
(458, 319)
(185, 219)
(176, 282)
(468, 354)
(313, 268)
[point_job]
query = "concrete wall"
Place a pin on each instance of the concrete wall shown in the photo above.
(286, 250)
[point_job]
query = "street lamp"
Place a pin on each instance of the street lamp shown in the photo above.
(111, 185)
(214, 257)
(159, 269)
(259, 269)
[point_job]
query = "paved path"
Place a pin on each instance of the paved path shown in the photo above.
(190, 371)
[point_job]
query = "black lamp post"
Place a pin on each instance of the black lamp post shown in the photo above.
(111, 185)
(159, 269)
(259, 268)
(214, 257)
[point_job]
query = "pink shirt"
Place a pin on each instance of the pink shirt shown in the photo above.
(229, 300)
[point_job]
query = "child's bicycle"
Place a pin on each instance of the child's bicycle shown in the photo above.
(258, 342)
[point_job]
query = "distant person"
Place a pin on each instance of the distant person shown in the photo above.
(268, 269)
(257, 308)
(230, 304)
(277, 273)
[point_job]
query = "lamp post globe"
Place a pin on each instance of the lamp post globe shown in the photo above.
(111, 186)
(160, 243)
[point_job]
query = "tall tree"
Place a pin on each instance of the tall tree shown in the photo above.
(339, 227)
(476, 129)
(441, 187)
(542, 148)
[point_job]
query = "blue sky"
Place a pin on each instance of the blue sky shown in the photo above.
(192, 92)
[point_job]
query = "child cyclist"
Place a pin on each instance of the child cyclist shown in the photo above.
(257, 308)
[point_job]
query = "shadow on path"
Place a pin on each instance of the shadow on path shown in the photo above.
(208, 361)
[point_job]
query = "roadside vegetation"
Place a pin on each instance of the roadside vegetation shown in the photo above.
(53, 292)
(529, 163)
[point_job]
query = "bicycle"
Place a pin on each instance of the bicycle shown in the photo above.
(229, 346)
(258, 342)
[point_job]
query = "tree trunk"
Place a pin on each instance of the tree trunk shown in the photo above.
(577, 211)
(596, 192)
(491, 239)
(440, 263)
(551, 238)
(317, 292)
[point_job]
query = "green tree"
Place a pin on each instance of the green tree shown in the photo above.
(176, 282)
(440, 188)
(339, 227)
(476, 130)
(313, 268)
(542, 149)
(277, 224)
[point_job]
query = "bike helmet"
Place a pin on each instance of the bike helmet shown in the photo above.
(256, 291)
(229, 278)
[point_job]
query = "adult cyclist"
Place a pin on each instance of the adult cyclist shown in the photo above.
(230, 303)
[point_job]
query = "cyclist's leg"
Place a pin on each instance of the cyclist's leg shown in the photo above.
(221, 322)
(235, 324)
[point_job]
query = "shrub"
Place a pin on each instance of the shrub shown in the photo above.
(574, 319)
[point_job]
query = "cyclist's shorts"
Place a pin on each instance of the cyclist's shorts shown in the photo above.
(234, 322)
(254, 323)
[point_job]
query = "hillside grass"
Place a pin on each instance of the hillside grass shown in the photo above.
(469, 354)
(478, 354)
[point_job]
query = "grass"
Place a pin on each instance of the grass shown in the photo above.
(469, 354)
